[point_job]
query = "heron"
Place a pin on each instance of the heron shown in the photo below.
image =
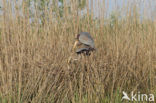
(85, 43)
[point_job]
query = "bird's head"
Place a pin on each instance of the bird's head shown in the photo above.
(77, 36)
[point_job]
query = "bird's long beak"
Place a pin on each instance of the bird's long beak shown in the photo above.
(75, 44)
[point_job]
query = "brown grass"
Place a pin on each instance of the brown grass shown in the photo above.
(33, 59)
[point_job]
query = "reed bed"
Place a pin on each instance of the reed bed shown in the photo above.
(33, 55)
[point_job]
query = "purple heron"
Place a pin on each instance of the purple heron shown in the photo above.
(85, 43)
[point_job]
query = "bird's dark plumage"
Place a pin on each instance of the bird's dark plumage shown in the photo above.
(87, 43)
